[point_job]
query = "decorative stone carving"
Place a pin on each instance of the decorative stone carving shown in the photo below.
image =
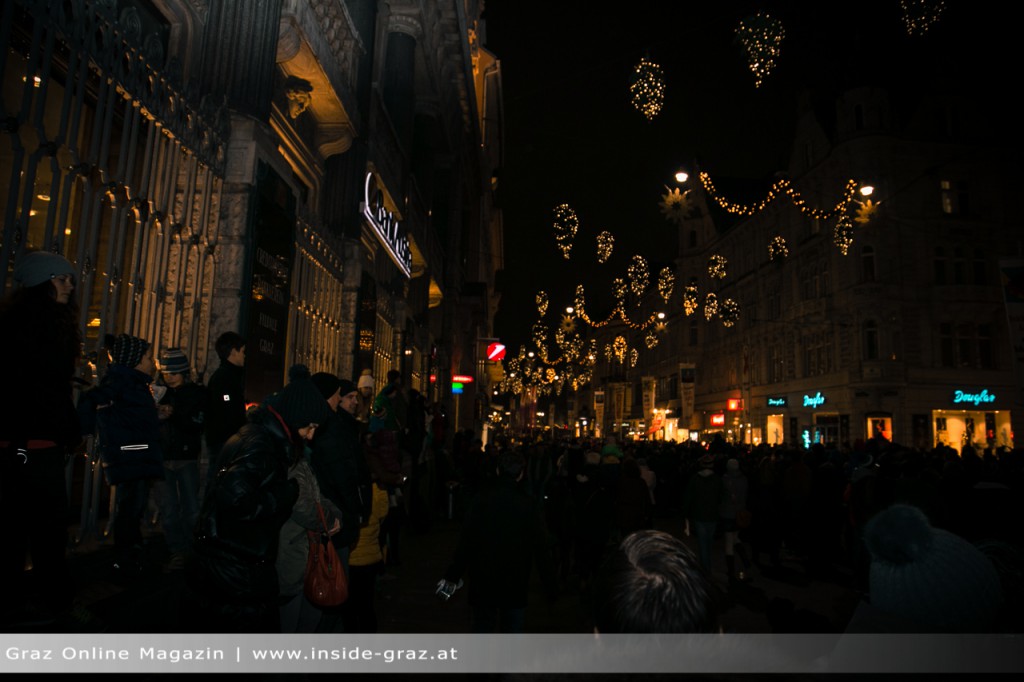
(299, 93)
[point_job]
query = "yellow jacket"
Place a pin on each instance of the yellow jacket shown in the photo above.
(367, 549)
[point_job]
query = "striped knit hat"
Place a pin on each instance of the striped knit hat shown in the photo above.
(174, 361)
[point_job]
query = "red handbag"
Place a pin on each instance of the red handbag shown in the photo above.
(326, 584)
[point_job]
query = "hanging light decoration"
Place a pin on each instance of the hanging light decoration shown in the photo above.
(666, 283)
(619, 288)
(648, 88)
(716, 266)
(542, 303)
(639, 276)
(761, 36)
(619, 348)
(565, 224)
(781, 187)
(920, 15)
(540, 335)
(842, 233)
(634, 357)
(675, 205)
(690, 303)
(651, 338)
(710, 306)
(730, 312)
(777, 248)
(605, 243)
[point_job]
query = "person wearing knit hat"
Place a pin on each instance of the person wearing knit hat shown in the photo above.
(928, 576)
(328, 385)
(365, 385)
(131, 452)
(182, 410)
(300, 403)
(343, 475)
(40, 347)
(36, 267)
(174, 361)
(128, 350)
(231, 573)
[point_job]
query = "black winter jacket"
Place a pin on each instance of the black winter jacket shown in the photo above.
(225, 414)
(123, 409)
(343, 474)
(248, 499)
(182, 433)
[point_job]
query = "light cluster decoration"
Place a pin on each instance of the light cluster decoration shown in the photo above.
(634, 356)
(566, 224)
(620, 348)
(710, 306)
(651, 338)
(619, 288)
(540, 335)
(782, 187)
(716, 266)
(761, 36)
(865, 212)
(777, 248)
(690, 303)
(605, 244)
(920, 15)
(675, 205)
(730, 312)
(542, 303)
(842, 233)
(639, 275)
(648, 88)
(666, 283)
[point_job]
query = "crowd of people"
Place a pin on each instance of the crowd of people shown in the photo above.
(930, 538)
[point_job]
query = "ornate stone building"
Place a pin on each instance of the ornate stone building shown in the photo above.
(894, 327)
(317, 175)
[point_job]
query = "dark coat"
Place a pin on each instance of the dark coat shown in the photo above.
(248, 498)
(225, 414)
(181, 433)
(343, 474)
(124, 412)
(37, 362)
(501, 538)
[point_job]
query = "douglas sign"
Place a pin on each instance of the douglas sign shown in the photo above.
(386, 226)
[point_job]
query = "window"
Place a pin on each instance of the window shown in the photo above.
(946, 348)
(985, 357)
(954, 197)
(980, 267)
(694, 337)
(867, 258)
(966, 345)
(870, 340)
(940, 265)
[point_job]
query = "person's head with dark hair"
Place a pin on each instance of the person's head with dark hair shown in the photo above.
(394, 376)
(511, 465)
(653, 583)
(231, 348)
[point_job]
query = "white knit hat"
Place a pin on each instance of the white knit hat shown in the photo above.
(365, 380)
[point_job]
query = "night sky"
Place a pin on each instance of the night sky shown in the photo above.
(572, 135)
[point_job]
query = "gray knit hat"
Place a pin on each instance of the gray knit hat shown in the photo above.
(36, 267)
(174, 361)
(929, 575)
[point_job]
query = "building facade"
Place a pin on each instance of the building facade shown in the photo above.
(317, 175)
(894, 325)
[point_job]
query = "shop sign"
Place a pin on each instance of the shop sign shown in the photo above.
(960, 397)
(815, 401)
(734, 404)
(386, 226)
(780, 401)
(718, 419)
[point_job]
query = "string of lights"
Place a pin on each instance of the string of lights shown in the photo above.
(781, 187)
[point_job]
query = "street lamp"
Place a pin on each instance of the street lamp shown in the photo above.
(682, 176)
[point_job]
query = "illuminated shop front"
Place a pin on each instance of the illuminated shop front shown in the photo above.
(973, 416)
(775, 422)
